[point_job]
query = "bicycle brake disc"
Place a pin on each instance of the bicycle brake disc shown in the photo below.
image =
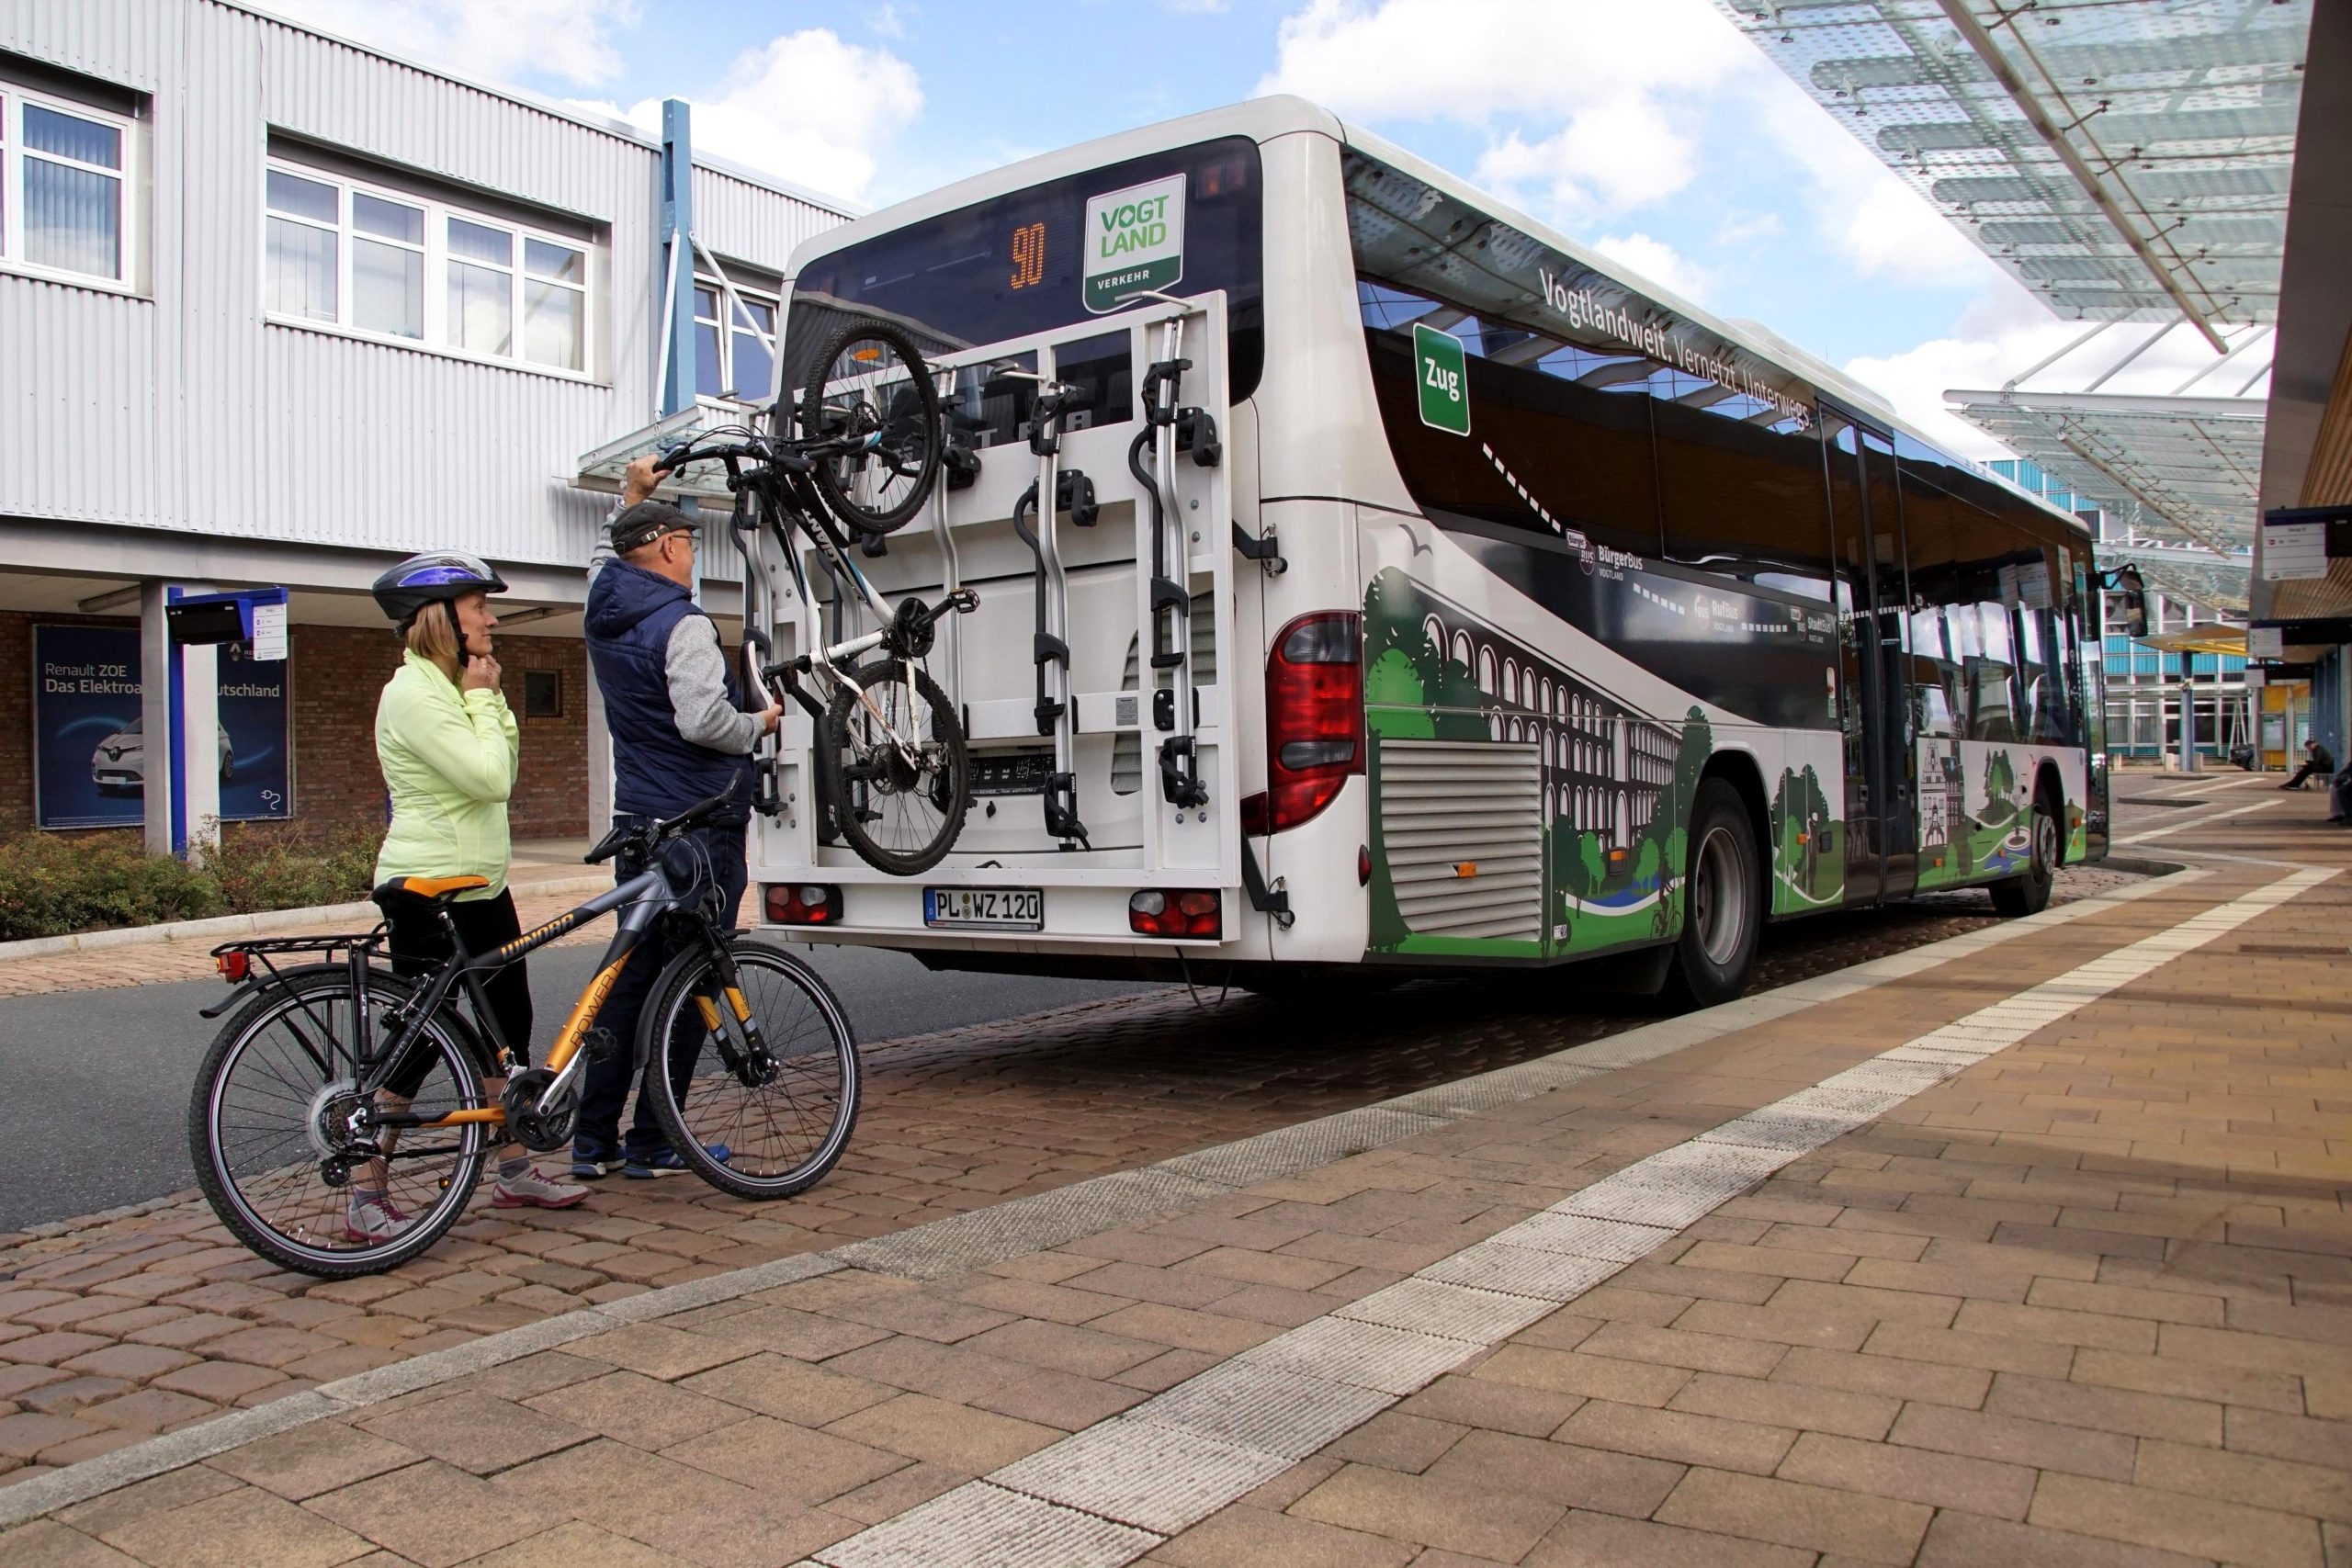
(538, 1130)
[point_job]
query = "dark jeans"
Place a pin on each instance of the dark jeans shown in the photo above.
(2340, 797)
(418, 943)
(609, 1082)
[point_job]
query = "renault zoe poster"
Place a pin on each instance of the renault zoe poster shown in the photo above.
(89, 748)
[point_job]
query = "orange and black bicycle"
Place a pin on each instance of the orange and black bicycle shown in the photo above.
(335, 1072)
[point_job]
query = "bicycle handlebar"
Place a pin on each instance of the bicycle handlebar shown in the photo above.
(643, 836)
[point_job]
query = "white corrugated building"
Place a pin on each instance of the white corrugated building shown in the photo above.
(276, 308)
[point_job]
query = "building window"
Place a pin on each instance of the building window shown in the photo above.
(542, 694)
(396, 266)
(739, 363)
(64, 171)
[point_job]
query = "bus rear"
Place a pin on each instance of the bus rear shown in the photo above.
(1114, 679)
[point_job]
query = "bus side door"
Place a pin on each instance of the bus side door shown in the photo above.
(1882, 787)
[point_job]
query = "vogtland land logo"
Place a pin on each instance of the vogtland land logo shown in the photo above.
(1135, 242)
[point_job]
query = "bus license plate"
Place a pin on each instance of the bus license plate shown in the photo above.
(985, 909)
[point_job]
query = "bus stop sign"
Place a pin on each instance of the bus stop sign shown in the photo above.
(1439, 369)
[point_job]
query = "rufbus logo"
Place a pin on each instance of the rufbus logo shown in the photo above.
(1587, 556)
(1135, 242)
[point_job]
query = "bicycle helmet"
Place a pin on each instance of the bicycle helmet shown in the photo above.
(434, 577)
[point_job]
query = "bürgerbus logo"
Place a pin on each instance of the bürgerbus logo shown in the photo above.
(1587, 556)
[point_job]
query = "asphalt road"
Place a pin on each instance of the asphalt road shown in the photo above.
(94, 1085)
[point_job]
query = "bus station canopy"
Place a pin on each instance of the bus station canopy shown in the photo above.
(2125, 160)
(2182, 470)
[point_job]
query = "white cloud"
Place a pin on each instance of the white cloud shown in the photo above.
(807, 107)
(1740, 231)
(1606, 136)
(497, 40)
(1660, 263)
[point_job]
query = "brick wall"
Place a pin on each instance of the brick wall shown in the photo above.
(337, 672)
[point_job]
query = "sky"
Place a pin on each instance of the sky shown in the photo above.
(1650, 129)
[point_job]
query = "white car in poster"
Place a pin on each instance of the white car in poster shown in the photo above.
(119, 765)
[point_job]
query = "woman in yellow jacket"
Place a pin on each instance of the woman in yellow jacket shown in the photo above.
(449, 750)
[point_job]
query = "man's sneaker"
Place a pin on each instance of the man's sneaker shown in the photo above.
(665, 1162)
(533, 1190)
(372, 1219)
(593, 1162)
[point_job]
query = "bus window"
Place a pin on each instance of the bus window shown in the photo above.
(1010, 265)
(1740, 487)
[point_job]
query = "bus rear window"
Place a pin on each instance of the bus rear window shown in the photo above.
(1007, 267)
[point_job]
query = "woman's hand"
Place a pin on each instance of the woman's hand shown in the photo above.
(480, 675)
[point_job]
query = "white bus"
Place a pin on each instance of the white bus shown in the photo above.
(1499, 608)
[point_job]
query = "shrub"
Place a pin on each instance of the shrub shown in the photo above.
(52, 884)
(292, 866)
(49, 885)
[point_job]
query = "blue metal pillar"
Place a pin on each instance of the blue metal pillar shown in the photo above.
(678, 251)
(677, 227)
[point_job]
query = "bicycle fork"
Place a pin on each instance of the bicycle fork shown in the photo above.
(732, 1028)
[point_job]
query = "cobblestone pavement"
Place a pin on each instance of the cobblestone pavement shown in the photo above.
(2086, 1299)
(112, 1331)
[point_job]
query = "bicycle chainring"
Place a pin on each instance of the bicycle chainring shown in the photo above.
(538, 1131)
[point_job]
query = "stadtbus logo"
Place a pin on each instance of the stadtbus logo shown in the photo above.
(1587, 556)
(1135, 242)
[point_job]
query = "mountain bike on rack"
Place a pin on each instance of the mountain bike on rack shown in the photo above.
(894, 774)
(334, 1071)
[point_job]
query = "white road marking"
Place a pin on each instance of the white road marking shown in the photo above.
(2196, 822)
(1112, 1492)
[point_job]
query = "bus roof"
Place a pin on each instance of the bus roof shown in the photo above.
(1264, 120)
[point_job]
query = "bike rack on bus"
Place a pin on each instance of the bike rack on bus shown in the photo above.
(1191, 792)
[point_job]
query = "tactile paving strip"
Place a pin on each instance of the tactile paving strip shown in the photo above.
(983, 1526)
(1142, 1474)
(1553, 1277)
(1449, 1312)
(974, 1240)
(1585, 1237)
(1288, 1150)
(1772, 1129)
(1393, 1361)
(1675, 1186)
(1253, 1405)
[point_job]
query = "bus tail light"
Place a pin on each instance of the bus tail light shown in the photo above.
(804, 904)
(1154, 912)
(1315, 731)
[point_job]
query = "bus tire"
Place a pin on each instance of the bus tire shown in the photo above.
(2028, 893)
(1722, 900)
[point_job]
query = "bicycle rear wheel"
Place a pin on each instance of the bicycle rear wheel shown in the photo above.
(266, 1117)
(781, 1110)
(869, 380)
(899, 805)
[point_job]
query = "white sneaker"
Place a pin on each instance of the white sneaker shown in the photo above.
(535, 1190)
(372, 1219)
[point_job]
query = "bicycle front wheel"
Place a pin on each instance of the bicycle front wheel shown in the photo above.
(269, 1115)
(897, 770)
(870, 382)
(762, 1110)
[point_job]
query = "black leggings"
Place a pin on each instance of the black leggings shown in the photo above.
(418, 943)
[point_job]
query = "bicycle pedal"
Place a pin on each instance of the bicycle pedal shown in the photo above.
(601, 1044)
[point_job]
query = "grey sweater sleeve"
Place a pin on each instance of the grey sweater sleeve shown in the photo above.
(697, 672)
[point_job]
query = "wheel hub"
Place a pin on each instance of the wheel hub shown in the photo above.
(332, 1123)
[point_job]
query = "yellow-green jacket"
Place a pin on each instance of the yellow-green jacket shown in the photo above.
(449, 759)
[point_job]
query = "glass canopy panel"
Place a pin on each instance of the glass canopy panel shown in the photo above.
(2178, 117)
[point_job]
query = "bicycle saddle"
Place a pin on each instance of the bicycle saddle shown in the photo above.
(439, 889)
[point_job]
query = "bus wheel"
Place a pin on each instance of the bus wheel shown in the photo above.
(2028, 893)
(1724, 901)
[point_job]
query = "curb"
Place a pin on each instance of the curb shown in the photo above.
(226, 926)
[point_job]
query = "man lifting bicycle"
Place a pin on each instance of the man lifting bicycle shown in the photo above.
(679, 735)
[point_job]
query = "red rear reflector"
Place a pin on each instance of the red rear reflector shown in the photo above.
(233, 966)
(803, 904)
(1154, 912)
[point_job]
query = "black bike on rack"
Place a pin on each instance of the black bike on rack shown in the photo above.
(894, 774)
(336, 1072)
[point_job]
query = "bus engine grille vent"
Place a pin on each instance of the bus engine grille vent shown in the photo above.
(1463, 826)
